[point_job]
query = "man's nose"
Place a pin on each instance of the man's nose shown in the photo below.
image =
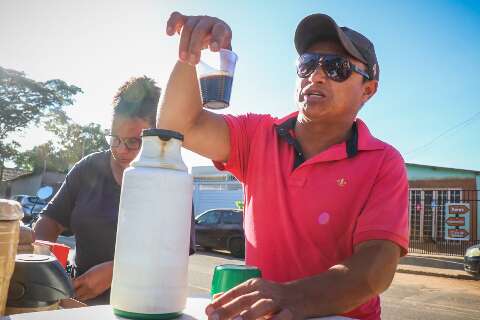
(318, 75)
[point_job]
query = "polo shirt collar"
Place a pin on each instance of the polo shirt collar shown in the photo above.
(339, 151)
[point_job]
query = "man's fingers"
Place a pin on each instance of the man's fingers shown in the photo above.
(217, 295)
(260, 309)
(175, 23)
(236, 306)
(185, 37)
(197, 33)
(200, 32)
(221, 37)
(242, 289)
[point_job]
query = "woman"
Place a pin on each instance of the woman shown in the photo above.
(87, 202)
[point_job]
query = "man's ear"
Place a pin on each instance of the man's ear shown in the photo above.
(369, 90)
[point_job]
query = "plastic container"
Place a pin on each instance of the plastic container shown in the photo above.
(153, 232)
(215, 73)
(59, 250)
(228, 276)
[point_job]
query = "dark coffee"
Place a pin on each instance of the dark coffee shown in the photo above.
(216, 90)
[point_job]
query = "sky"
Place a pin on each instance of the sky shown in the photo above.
(427, 105)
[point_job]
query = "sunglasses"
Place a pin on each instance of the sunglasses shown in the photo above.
(337, 68)
(130, 143)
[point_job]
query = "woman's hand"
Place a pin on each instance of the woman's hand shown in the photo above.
(93, 282)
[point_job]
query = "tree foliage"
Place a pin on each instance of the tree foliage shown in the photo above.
(24, 101)
(74, 141)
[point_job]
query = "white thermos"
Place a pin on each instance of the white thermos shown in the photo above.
(153, 233)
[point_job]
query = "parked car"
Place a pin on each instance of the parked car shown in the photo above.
(221, 229)
(471, 262)
(31, 205)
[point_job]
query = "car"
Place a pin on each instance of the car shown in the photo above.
(31, 205)
(221, 229)
(471, 262)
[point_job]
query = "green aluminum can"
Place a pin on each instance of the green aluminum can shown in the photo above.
(227, 276)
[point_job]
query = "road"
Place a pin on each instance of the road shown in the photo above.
(409, 297)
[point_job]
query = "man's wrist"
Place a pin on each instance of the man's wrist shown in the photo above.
(296, 298)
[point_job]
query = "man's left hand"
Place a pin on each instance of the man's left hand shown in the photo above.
(257, 298)
(93, 282)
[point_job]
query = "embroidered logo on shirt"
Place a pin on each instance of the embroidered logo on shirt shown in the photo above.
(342, 182)
(323, 218)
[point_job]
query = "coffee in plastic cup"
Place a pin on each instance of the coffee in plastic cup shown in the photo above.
(228, 276)
(215, 73)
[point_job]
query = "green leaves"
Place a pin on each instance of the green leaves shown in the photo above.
(24, 101)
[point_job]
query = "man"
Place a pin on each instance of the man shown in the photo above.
(325, 202)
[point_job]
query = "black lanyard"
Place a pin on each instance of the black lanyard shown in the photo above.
(283, 131)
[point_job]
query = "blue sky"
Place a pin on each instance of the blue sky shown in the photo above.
(428, 51)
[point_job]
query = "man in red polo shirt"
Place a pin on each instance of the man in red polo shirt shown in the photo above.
(325, 202)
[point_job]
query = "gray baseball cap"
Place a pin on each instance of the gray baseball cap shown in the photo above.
(320, 26)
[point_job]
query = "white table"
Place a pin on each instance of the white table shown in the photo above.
(195, 310)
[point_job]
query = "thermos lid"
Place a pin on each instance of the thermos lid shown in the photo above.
(162, 134)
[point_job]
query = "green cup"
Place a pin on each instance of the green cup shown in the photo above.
(227, 276)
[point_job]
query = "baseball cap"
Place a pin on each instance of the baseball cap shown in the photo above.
(321, 26)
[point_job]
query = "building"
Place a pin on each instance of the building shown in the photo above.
(433, 192)
(214, 189)
(29, 183)
(443, 208)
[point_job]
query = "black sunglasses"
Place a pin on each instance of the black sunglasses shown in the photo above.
(130, 143)
(336, 67)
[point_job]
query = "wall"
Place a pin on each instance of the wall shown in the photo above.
(26, 185)
(216, 194)
(478, 199)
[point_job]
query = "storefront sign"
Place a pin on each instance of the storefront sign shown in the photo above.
(457, 221)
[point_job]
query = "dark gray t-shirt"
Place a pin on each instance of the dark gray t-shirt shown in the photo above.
(87, 204)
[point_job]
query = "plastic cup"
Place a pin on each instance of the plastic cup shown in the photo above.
(215, 73)
(228, 276)
(59, 250)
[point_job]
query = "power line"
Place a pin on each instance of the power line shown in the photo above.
(449, 130)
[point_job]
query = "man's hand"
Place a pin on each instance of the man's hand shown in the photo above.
(257, 298)
(93, 282)
(197, 33)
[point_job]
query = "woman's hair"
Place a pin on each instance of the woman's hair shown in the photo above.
(137, 98)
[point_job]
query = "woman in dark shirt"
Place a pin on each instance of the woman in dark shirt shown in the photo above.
(87, 202)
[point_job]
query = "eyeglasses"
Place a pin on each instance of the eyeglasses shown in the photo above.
(337, 68)
(130, 143)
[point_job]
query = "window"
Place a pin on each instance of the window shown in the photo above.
(232, 217)
(211, 217)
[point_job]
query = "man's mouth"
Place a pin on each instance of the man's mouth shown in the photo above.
(311, 93)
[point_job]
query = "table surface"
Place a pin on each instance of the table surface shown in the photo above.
(195, 310)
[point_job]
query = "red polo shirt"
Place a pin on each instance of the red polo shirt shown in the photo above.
(301, 221)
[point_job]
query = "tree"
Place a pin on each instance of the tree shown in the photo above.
(74, 142)
(24, 101)
(77, 141)
(44, 156)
